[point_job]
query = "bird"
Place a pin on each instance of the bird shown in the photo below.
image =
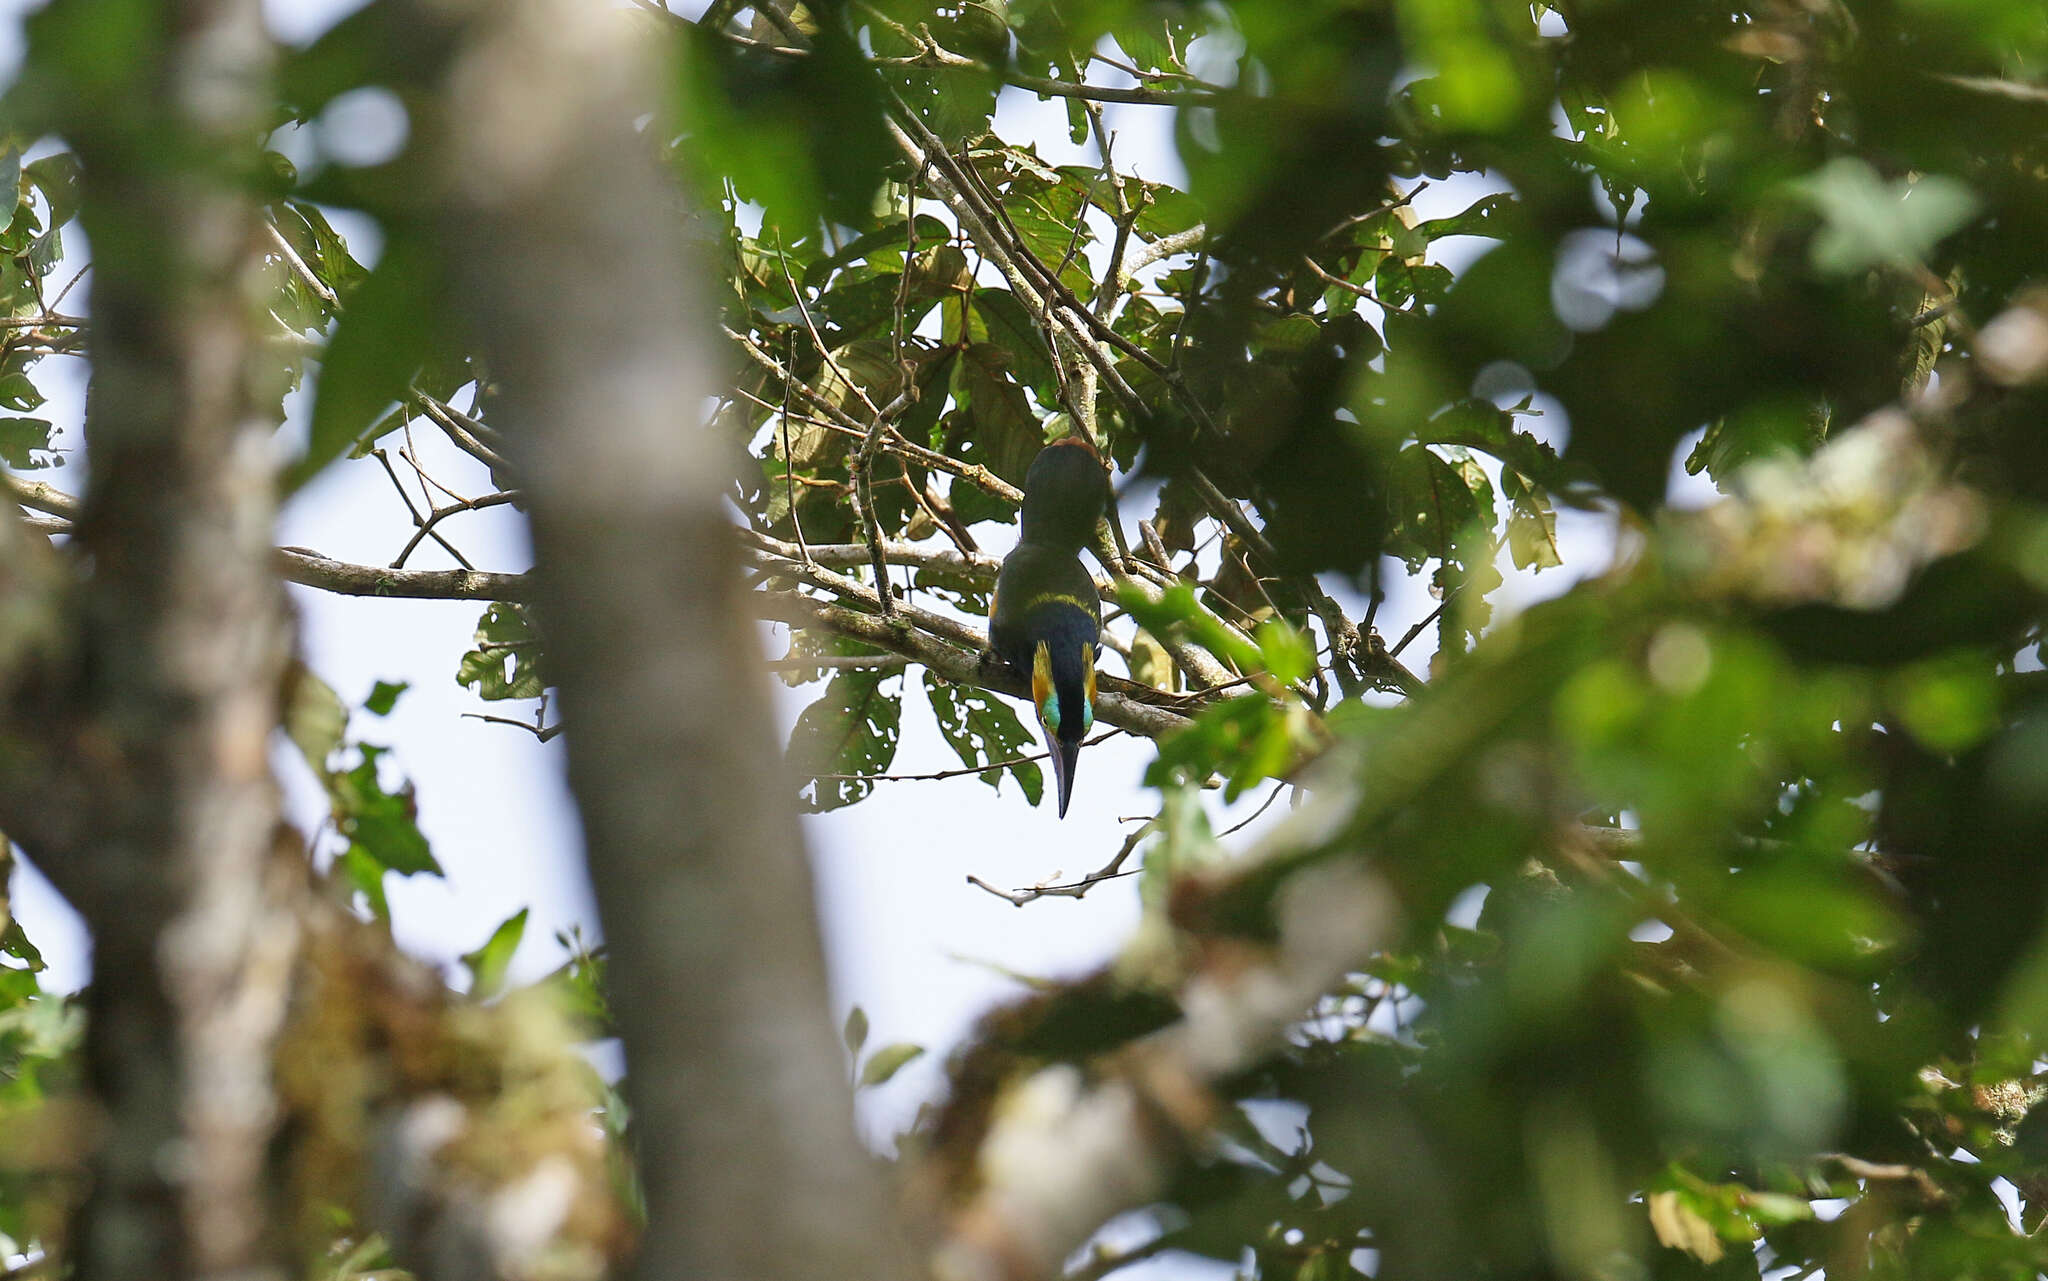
(1045, 619)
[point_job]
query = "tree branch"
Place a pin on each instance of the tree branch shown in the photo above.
(586, 311)
(931, 54)
(1118, 702)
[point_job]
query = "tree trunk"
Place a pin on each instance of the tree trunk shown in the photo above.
(565, 248)
(180, 643)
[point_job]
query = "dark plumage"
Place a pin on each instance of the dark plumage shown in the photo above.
(1045, 620)
(1064, 495)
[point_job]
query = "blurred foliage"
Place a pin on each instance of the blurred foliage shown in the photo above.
(1719, 876)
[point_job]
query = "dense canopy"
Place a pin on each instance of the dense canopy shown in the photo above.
(1690, 922)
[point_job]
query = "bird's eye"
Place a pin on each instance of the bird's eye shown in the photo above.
(1049, 713)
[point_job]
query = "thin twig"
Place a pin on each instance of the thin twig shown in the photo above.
(541, 732)
(1344, 284)
(418, 520)
(1074, 889)
(1417, 630)
(940, 775)
(457, 427)
(1102, 1262)
(301, 270)
(1251, 818)
(864, 459)
(499, 499)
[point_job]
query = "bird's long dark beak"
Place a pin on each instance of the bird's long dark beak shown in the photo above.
(1064, 755)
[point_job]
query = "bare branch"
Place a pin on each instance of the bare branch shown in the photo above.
(1073, 889)
(311, 569)
(300, 269)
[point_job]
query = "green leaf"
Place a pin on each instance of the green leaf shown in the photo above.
(1006, 433)
(1167, 212)
(10, 172)
(855, 1033)
(801, 137)
(506, 663)
(314, 719)
(981, 728)
(389, 328)
(17, 391)
(887, 1062)
(1868, 222)
(16, 944)
(850, 733)
(1176, 611)
(1012, 328)
(488, 964)
(320, 247)
(1289, 335)
(1532, 534)
(45, 250)
(366, 874)
(384, 696)
(57, 177)
(1481, 218)
(862, 304)
(954, 103)
(383, 825)
(578, 984)
(1245, 739)
(870, 246)
(25, 442)
(1285, 652)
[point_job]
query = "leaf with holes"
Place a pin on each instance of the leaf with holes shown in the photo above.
(25, 443)
(981, 729)
(847, 736)
(506, 662)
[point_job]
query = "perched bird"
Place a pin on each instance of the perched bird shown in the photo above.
(1046, 618)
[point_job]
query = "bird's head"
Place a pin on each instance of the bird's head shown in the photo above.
(1066, 709)
(1065, 493)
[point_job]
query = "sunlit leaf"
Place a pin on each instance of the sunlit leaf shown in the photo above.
(887, 1062)
(488, 964)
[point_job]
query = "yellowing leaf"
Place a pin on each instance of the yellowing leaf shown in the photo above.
(1678, 1226)
(888, 1061)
